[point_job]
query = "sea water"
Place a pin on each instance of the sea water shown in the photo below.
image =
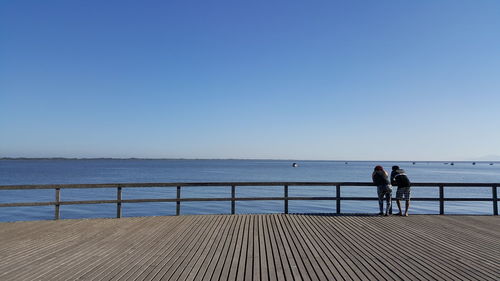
(25, 172)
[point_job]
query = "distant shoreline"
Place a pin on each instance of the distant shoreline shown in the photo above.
(240, 159)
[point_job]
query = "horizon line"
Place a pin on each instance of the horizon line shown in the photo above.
(242, 159)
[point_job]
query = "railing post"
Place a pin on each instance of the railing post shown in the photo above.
(233, 201)
(178, 202)
(58, 200)
(441, 199)
(285, 190)
(495, 200)
(119, 202)
(338, 198)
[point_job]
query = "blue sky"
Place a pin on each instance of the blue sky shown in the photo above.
(357, 80)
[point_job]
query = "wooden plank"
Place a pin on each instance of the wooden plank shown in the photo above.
(215, 253)
(251, 257)
(239, 253)
(43, 263)
(203, 256)
(175, 247)
(337, 267)
(297, 264)
(412, 260)
(45, 247)
(99, 259)
(114, 259)
(245, 252)
(317, 263)
(174, 267)
(370, 257)
(257, 256)
(420, 246)
(264, 270)
(457, 251)
(111, 260)
(270, 265)
(12, 233)
(302, 258)
(275, 249)
(253, 247)
(153, 253)
(291, 267)
(458, 238)
(227, 251)
(231, 261)
(370, 240)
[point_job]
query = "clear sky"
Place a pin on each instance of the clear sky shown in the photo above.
(357, 80)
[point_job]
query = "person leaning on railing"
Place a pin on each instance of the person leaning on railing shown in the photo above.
(399, 178)
(384, 190)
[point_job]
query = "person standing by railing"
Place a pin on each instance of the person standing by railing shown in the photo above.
(399, 178)
(384, 190)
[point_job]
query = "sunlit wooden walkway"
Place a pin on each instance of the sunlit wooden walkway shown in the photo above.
(253, 247)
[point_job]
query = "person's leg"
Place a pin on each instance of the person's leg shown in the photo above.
(388, 197)
(407, 197)
(380, 200)
(398, 200)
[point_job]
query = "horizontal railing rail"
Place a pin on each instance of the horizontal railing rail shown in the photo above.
(285, 198)
(201, 184)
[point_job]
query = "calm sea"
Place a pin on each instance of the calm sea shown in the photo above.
(112, 171)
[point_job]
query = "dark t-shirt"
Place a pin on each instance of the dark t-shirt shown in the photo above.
(400, 178)
(380, 178)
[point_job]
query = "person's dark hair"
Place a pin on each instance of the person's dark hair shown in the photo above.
(378, 168)
(394, 168)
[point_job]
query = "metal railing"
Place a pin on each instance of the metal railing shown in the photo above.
(338, 198)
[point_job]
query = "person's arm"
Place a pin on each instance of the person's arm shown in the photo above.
(393, 178)
(397, 179)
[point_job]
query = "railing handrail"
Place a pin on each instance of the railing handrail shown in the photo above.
(201, 184)
(337, 198)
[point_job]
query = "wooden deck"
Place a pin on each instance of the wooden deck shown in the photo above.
(253, 247)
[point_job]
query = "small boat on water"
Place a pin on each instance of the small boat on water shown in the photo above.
(452, 163)
(473, 163)
(491, 164)
(413, 163)
(295, 165)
